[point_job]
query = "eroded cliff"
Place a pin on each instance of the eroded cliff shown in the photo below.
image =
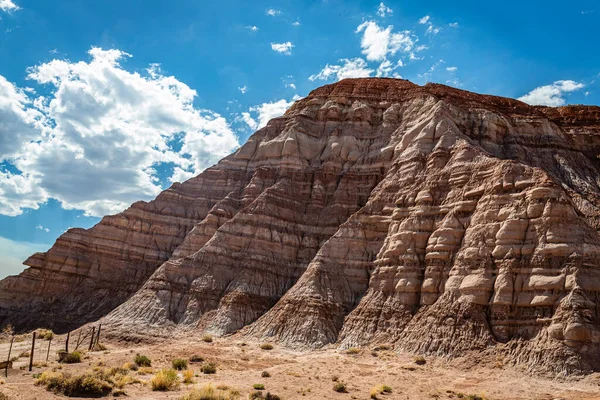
(374, 210)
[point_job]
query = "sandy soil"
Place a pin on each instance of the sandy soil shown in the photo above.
(296, 375)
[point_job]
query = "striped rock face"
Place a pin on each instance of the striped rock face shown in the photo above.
(373, 211)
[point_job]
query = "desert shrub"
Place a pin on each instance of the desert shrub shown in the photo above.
(420, 360)
(165, 380)
(209, 368)
(353, 351)
(265, 374)
(142, 361)
(196, 359)
(71, 358)
(207, 338)
(45, 334)
(85, 385)
(179, 364)
(380, 389)
(266, 346)
(382, 347)
(335, 378)
(208, 392)
(257, 395)
(188, 376)
(258, 386)
(131, 366)
(25, 354)
(270, 396)
(340, 387)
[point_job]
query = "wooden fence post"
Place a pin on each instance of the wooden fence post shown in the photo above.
(78, 339)
(12, 339)
(48, 354)
(92, 339)
(67, 342)
(32, 350)
(98, 337)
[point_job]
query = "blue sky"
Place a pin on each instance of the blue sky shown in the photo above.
(103, 103)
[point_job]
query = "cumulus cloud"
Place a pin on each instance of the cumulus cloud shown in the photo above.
(243, 89)
(296, 23)
(424, 20)
(8, 5)
(273, 13)
(348, 68)
(551, 95)
(251, 122)
(384, 10)
(283, 48)
(253, 28)
(378, 42)
(386, 68)
(95, 142)
(268, 111)
(451, 69)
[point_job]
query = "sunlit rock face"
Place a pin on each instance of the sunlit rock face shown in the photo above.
(373, 211)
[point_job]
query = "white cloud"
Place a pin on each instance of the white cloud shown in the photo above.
(243, 89)
(451, 69)
(387, 67)
(432, 30)
(384, 10)
(349, 68)
(283, 48)
(13, 253)
(290, 85)
(94, 144)
(8, 5)
(453, 24)
(253, 28)
(251, 122)
(296, 23)
(273, 13)
(424, 20)
(42, 228)
(377, 43)
(551, 95)
(454, 82)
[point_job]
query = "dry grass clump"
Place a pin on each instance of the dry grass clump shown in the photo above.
(340, 387)
(258, 395)
(45, 334)
(142, 361)
(209, 392)
(353, 351)
(84, 385)
(209, 368)
(207, 338)
(380, 389)
(165, 380)
(265, 374)
(70, 358)
(179, 364)
(196, 359)
(188, 376)
(266, 346)
(420, 360)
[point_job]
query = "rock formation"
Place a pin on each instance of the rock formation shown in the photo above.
(374, 210)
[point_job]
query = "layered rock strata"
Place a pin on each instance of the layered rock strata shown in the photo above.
(374, 210)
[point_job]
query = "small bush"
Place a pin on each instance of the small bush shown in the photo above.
(256, 396)
(266, 346)
(265, 374)
(340, 387)
(188, 376)
(165, 380)
(86, 385)
(131, 366)
(45, 334)
(142, 361)
(179, 364)
(71, 358)
(196, 359)
(207, 338)
(258, 386)
(382, 347)
(209, 368)
(208, 392)
(353, 351)
(380, 389)
(420, 360)
(335, 378)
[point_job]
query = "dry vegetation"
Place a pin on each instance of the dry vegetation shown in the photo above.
(227, 369)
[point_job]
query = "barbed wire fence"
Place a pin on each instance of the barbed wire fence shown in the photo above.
(42, 346)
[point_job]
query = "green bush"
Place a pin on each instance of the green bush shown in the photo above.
(258, 386)
(209, 368)
(142, 361)
(179, 364)
(165, 380)
(266, 346)
(340, 387)
(86, 385)
(72, 358)
(207, 338)
(196, 359)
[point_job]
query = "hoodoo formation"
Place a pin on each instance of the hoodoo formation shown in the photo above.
(373, 211)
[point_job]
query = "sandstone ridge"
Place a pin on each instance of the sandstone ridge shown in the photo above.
(375, 210)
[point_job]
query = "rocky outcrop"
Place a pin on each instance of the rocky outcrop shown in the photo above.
(374, 210)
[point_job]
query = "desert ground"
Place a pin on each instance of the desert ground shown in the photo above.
(241, 364)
